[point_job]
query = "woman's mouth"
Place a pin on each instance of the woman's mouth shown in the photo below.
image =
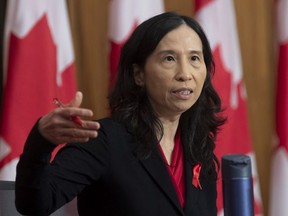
(183, 93)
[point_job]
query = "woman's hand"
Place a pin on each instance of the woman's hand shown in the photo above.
(58, 126)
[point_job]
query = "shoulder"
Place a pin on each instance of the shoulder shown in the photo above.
(112, 136)
(112, 131)
(109, 122)
(111, 126)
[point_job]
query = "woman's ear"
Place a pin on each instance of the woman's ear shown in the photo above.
(138, 75)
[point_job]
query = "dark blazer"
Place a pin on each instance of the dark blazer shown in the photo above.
(110, 179)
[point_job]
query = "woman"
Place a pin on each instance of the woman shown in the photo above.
(154, 156)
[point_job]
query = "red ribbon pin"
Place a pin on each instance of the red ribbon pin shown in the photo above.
(196, 175)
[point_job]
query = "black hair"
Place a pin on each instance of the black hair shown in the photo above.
(129, 102)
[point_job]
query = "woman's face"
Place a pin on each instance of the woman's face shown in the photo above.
(174, 73)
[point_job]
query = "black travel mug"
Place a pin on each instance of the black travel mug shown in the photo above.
(237, 185)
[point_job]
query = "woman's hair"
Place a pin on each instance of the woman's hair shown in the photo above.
(129, 102)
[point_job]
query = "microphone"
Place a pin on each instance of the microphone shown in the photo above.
(237, 185)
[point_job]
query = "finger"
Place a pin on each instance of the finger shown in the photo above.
(81, 112)
(78, 133)
(77, 100)
(77, 120)
(91, 125)
(87, 125)
(68, 139)
(69, 112)
(68, 135)
(75, 140)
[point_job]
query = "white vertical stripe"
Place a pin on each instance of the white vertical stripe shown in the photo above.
(4, 148)
(282, 20)
(8, 172)
(124, 13)
(279, 183)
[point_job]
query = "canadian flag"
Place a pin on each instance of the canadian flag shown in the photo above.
(38, 66)
(124, 17)
(218, 20)
(279, 166)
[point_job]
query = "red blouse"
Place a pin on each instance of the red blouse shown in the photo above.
(176, 168)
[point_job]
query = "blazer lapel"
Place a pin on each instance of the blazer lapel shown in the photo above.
(192, 193)
(156, 168)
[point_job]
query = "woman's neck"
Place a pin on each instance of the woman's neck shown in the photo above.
(167, 140)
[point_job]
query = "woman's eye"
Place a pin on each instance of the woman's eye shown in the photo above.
(195, 58)
(169, 58)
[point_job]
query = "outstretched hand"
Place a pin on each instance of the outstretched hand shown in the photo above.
(66, 125)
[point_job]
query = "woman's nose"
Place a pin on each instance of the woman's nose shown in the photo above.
(184, 71)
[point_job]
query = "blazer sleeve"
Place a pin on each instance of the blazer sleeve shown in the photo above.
(43, 187)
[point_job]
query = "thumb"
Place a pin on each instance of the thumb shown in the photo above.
(77, 100)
